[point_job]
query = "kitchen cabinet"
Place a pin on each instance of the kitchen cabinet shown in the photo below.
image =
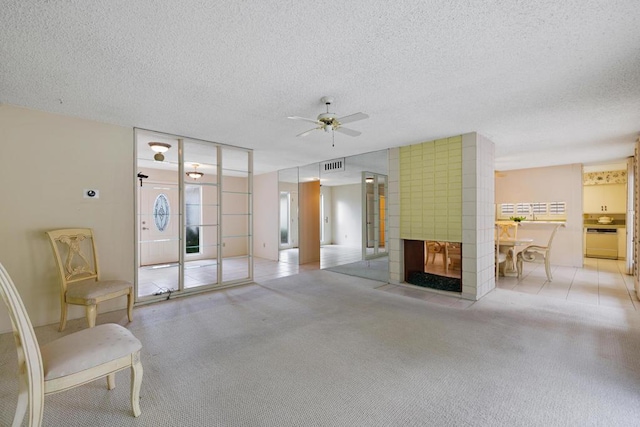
(605, 198)
(622, 243)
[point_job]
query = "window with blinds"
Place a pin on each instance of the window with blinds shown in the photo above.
(523, 208)
(539, 208)
(558, 208)
(507, 209)
(550, 211)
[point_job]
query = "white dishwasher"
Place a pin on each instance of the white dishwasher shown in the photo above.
(602, 243)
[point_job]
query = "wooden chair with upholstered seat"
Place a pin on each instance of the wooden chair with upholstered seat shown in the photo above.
(433, 249)
(501, 256)
(537, 253)
(69, 361)
(453, 253)
(507, 230)
(79, 271)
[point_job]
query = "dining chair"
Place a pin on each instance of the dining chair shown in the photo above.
(507, 230)
(433, 249)
(79, 272)
(502, 253)
(453, 253)
(537, 253)
(67, 362)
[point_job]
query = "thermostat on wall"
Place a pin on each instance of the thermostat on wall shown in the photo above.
(91, 194)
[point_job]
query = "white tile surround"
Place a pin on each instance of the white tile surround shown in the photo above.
(478, 274)
(478, 216)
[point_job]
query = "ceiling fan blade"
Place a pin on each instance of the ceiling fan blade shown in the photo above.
(304, 119)
(307, 132)
(353, 118)
(347, 131)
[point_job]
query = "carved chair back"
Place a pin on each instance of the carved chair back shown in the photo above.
(507, 230)
(75, 253)
(29, 358)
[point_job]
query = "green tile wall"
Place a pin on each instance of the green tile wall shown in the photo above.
(431, 190)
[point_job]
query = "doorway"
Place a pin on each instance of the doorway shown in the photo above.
(374, 192)
(288, 219)
(159, 228)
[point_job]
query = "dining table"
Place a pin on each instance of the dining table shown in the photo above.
(511, 248)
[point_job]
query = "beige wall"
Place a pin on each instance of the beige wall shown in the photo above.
(347, 211)
(47, 160)
(555, 183)
(266, 211)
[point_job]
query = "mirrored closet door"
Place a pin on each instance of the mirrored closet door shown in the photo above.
(193, 215)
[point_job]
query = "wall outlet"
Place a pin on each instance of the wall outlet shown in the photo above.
(89, 193)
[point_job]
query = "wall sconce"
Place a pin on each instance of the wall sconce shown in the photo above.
(194, 173)
(159, 148)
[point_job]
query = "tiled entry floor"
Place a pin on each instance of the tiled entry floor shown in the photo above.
(198, 273)
(600, 282)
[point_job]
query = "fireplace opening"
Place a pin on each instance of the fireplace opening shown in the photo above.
(433, 264)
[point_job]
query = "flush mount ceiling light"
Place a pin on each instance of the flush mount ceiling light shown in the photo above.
(159, 148)
(194, 173)
(369, 180)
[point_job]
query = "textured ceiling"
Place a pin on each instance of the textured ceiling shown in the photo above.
(550, 82)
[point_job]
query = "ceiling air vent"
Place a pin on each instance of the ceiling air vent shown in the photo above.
(336, 165)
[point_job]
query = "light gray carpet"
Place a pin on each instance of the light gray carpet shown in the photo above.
(325, 349)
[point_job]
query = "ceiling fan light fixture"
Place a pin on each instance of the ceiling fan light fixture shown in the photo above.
(195, 174)
(330, 122)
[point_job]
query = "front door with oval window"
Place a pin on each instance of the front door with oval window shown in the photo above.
(159, 242)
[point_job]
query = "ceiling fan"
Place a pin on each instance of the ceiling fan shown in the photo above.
(330, 122)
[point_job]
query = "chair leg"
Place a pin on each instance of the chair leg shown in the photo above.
(111, 381)
(36, 407)
(547, 267)
(130, 305)
(63, 316)
(23, 401)
(136, 382)
(519, 264)
(91, 315)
